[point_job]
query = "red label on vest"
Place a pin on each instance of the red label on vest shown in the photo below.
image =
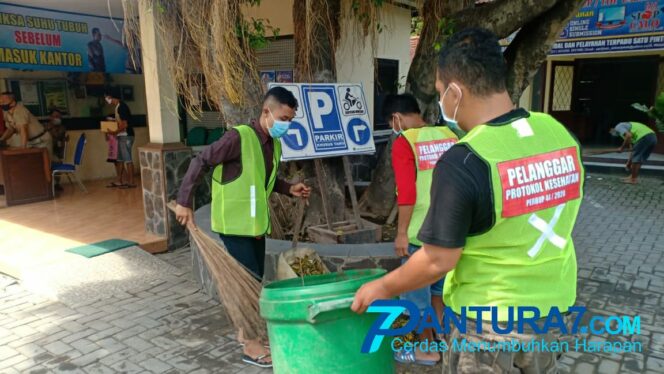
(539, 182)
(429, 152)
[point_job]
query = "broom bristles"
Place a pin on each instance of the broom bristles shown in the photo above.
(238, 290)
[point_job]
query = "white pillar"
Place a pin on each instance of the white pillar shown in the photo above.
(160, 93)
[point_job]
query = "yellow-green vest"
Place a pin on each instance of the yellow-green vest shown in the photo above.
(428, 144)
(638, 131)
(527, 258)
(240, 206)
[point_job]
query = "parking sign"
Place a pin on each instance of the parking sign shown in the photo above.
(331, 120)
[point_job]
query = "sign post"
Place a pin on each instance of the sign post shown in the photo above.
(332, 120)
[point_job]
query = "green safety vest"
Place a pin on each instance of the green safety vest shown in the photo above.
(240, 206)
(428, 144)
(527, 258)
(638, 131)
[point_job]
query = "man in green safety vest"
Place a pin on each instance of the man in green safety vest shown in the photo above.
(642, 139)
(504, 201)
(415, 152)
(245, 162)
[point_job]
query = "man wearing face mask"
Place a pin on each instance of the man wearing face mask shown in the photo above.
(245, 162)
(19, 120)
(415, 152)
(504, 201)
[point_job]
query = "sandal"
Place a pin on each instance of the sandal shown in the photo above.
(408, 357)
(114, 185)
(257, 361)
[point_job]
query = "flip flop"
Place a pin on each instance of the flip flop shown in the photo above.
(408, 357)
(628, 181)
(114, 185)
(257, 361)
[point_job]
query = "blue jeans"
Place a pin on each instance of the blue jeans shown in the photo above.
(422, 297)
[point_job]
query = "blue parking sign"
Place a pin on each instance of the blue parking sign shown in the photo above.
(332, 119)
(324, 118)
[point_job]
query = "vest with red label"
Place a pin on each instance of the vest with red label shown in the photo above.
(527, 258)
(428, 144)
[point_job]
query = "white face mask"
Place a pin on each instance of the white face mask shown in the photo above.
(394, 129)
(109, 100)
(452, 122)
(57, 121)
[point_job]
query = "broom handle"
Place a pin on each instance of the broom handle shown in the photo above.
(191, 226)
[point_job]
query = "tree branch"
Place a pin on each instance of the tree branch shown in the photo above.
(503, 17)
(533, 42)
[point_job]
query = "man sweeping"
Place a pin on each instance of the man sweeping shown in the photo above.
(504, 201)
(642, 139)
(245, 162)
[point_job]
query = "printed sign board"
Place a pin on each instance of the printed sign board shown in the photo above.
(613, 25)
(44, 39)
(331, 120)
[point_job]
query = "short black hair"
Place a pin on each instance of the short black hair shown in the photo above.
(282, 96)
(403, 103)
(112, 92)
(96, 30)
(474, 57)
(10, 94)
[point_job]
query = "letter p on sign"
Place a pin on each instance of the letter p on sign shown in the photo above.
(320, 106)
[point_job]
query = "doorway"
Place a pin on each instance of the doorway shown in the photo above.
(602, 94)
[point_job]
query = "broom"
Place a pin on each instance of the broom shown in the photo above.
(237, 288)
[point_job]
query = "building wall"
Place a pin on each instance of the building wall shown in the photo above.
(278, 12)
(355, 62)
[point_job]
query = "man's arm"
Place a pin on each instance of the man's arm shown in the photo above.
(405, 177)
(23, 131)
(7, 134)
(423, 268)
(627, 142)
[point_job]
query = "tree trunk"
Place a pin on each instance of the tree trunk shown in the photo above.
(379, 198)
(422, 74)
(532, 44)
(502, 17)
(316, 33)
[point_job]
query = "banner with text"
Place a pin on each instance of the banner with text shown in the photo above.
(41, 39)
(539, 182)
(331, 120)
(613, 26)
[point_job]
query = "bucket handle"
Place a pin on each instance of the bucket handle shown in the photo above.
(327, 306)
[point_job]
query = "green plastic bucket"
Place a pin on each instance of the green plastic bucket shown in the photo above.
(313, 330)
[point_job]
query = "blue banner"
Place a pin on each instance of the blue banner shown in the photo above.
(42, 39)
(613, 26)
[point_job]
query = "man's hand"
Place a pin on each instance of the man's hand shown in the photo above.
(401, 245)
(184, 215)
(619, 150)
(367, 294)
(300, 190)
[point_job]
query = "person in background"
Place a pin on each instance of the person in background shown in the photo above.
(641, 139)
(245, 162)
(58, 134)
(500, 245)
(415, 152)
(125, 137)
(96, 58)
(20, 121)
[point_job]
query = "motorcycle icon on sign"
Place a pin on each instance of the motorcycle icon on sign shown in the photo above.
(351, 102)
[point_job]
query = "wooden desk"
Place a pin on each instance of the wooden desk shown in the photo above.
(25, 175)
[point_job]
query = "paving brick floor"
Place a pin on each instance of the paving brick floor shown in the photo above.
(168, 326)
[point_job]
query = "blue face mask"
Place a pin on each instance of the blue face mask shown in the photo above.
(279, 128)
(451, 122)
(394, 130)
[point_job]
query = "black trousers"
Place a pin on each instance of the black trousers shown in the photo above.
(249, 251)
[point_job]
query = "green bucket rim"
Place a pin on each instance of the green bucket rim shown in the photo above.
(292, 289)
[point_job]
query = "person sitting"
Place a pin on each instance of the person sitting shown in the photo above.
(58, 134)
